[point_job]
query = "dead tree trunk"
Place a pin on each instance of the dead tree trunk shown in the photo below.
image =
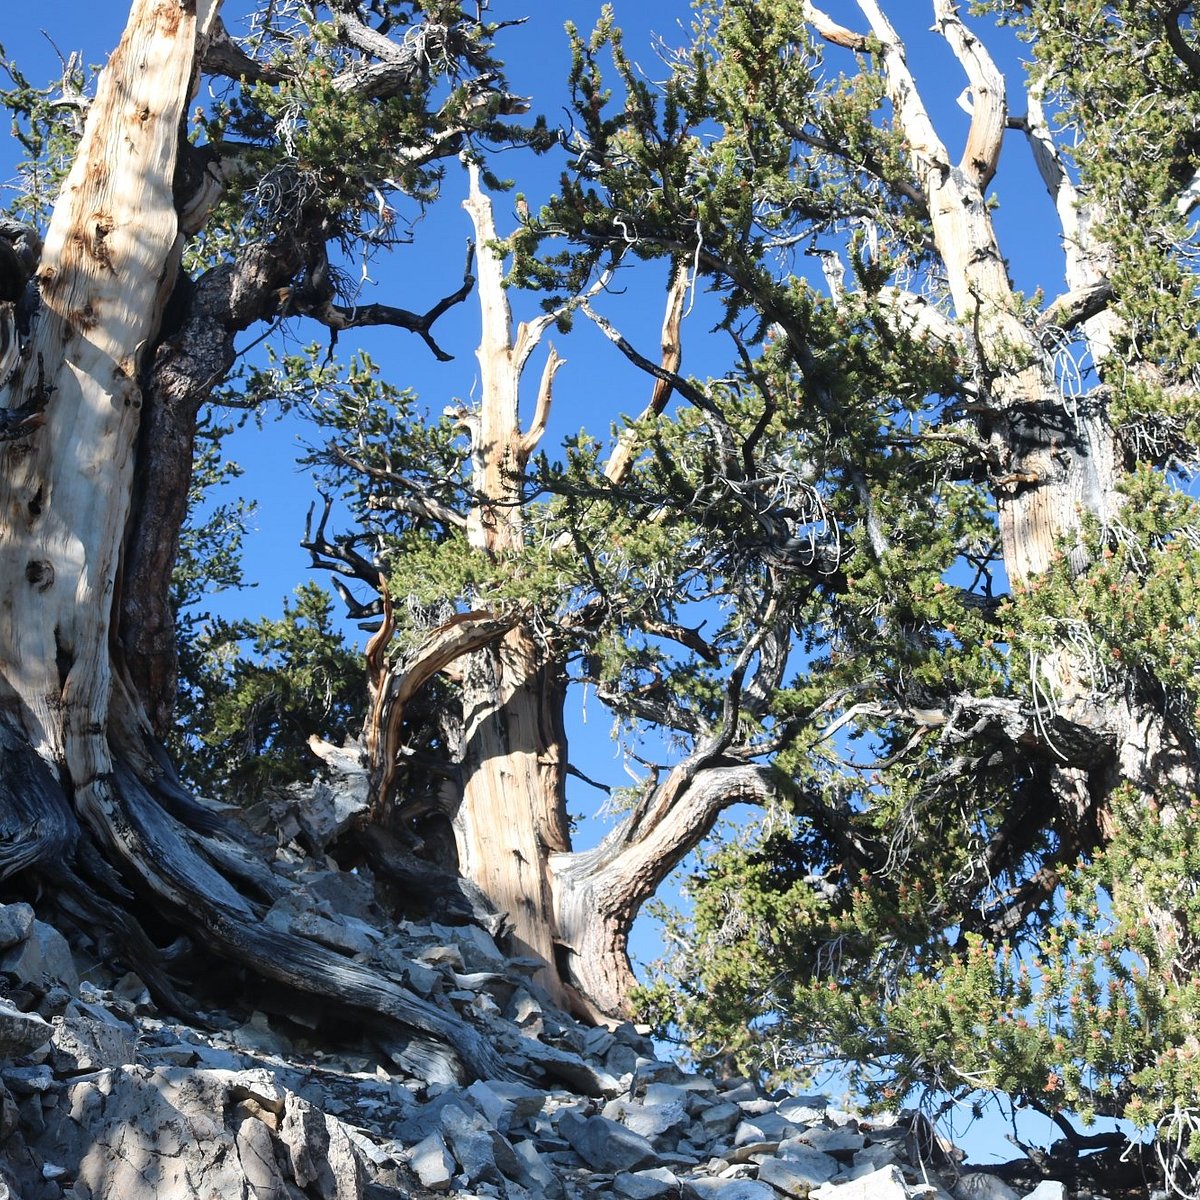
(572, 911)
(82, 765)
(1052, 464)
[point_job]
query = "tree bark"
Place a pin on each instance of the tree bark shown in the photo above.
(572, 912)
(1054, 462)
(513, 810)
(598, 894)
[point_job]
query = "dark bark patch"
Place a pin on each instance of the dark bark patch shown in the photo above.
(85, 317)
(91, 240)
(40, 574)
(64, 660)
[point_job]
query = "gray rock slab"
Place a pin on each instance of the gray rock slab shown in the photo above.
(41, 961)
(884, 1184)
(433, 1163)
(21, 1032)
(347, 936)
(651, 1070)
(651, 1120)
(207, 1133)
(496, 1111)
(477, 949)
(797, 1176)
(621, 1059)
(28, 1081)
(523, 1101)
(720, 1118)
(979, 1185)
(567, 1067)
(731, 1189)
(16, 923)
(606, 1145)
(84, 1043)
(543, 1181)
(419, 1122)
(842, 1140)
(665, 1093)
(767, 1126)
(655, 1184)
(1048, 1189)
(470, 1142)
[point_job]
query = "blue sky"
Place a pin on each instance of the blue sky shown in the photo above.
(596, 385)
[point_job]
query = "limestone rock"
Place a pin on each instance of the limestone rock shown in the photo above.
(732, 1189)
(1048, 1189)
(655, 1184)
(16, 923)
(196, 1133)
(41, 962)
(799, 1173)
(884, 1184)
(433, 1163)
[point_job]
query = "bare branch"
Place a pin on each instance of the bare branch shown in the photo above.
(916, 316)
(339, 556)
(689, 638)
(393, 687)
(929, 154)
(1075, 307)
(683, 386)
(1185, 52)
(339, 317)
(621, 459)
(541, 414)
(831, 31)
(223, 56)
(988, 109)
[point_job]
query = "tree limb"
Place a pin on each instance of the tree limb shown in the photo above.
(831, 31)
(988, 111)
(621, 459)
(339, 317)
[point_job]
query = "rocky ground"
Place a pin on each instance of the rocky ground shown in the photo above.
(267, 1096)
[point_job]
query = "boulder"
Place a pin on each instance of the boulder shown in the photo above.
(606, 1145)
(21, 1032)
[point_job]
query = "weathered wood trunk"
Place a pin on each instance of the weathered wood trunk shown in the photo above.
(1053, 463)
(513, 809)
(570, 911)
(598, 893)
(81, 764)
(109, 261)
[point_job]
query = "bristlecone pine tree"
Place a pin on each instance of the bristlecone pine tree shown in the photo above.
(917, 569)
(985, 881)
(921, 564)
(105, 369)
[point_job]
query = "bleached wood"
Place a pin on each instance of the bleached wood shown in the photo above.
(108, 261)
(989, 109)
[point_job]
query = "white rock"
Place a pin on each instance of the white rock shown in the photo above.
(433, 1163)
(1048, 1189)
(885, 1184)
(732, 1189)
